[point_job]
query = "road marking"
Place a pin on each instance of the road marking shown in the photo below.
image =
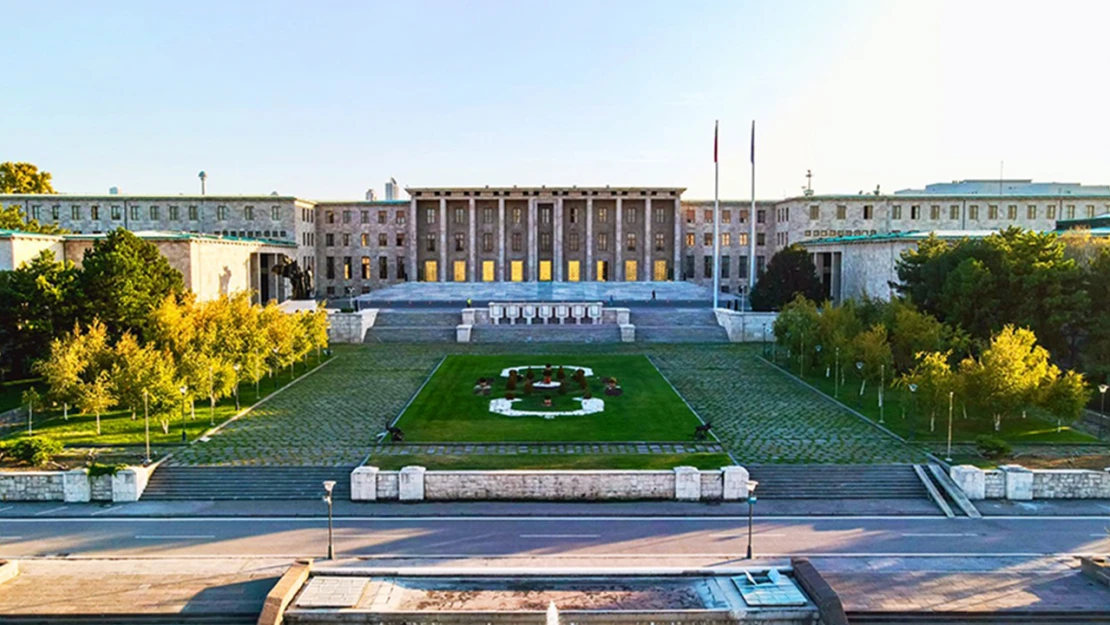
(532, 519)
(59, 509)
(939, 534)
(6, 508)
(105, 510)
(1102, 535)
(744, 535)
(174, 537)
(11, 538)
(560, 535)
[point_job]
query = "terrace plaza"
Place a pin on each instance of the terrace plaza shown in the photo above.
(683, 294)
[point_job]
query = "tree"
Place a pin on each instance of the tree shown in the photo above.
(12, 217)
(124, 278)
(142, 373)
(96, 396)
(838, 326)
(95, 392)
(33, 400)
(1008, 374)
(24, 178)
(790, 273)
(872, 349)
(61, 370)
(796, 327)
(38, 301)
(912, 332)
(934, 378)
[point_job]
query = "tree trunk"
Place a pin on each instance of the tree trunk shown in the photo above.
(165, 426)
(933, 420)
(98, 423)
(65, 411)
(211, 410)
(997, 423)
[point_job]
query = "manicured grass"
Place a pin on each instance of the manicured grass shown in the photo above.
(448, 410)
(546, 461)
(118, 428)
(913, 423)
(11, 392)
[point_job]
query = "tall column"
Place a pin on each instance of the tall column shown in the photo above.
(558, 239)
(618, 265)
(473, 270)
(413, 247)
(677, 240)
(443, 239)
(590, 275)
(501, 239)
(532, 232)
(649, 245)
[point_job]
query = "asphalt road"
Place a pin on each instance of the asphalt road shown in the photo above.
(597, 537)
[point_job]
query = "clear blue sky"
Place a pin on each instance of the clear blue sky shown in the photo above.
(325, 99)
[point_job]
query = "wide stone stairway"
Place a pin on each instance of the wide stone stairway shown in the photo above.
(837, 481)
(414, 326)
(677, 325)
(549, 333)
(229, 483)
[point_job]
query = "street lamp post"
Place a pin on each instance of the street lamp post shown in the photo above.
(275, 352)
(882, 383)
(184, 435)
(751, 503)
(328, 486)
(836, 378)
(1102, 388)
(948, 454)
(146, 425)
(802, 357)
(859, 370)
(236, 368)
(211, 401)
(818, 348)
(913, 411)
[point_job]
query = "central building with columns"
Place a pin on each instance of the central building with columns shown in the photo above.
(562, 234)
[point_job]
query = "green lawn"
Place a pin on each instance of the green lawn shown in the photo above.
(11, 392)
(447, 410)
(118, 428)
(901, 417)
(546, 461)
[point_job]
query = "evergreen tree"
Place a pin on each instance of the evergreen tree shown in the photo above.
(790, 273)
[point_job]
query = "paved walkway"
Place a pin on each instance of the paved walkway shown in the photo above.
(541, 449)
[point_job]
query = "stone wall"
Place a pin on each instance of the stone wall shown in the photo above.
(350, 327)
(75, 486)
(32, 486)
(683, 483)
(746, 327)
(1017, 483)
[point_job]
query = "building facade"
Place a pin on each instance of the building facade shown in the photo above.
(565, 234)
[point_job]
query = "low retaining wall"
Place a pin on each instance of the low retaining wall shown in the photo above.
(418, 484)
(350, 327)
(746, 327)
(1017, 483)
(74, 486)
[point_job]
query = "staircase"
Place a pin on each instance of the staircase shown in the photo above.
(414, 326)
(1015, 617)
(677, 325)
(837, 481)
(550, 333)
(227, 483)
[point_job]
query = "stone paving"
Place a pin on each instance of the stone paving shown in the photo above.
(332, 417)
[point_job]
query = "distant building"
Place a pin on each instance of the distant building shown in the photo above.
(392, 191)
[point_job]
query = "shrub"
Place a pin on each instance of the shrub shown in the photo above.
(513, 376)
(511, 384)
(583, 383)
(97, 469)
(35, 450)
(528, 387)
(561, 389)
(992, 447)
(560, 374)
(531, 375)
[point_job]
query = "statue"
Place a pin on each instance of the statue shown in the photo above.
(301, 279)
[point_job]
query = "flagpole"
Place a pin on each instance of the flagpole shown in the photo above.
(716, 219)
(751, 225)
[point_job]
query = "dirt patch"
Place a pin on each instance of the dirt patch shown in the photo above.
(579, 597)
(1095, 462)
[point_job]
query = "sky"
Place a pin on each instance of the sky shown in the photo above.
(326, 99)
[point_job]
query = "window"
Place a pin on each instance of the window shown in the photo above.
(365, 239)
(603, 242)
(155, 213)
(707, 239)
(1090, 211)
(707, 266)
(346, 240)
(487, 241)
(194, 213)
(915, 211)
(726, 239)
(690, 239)
(895, 211)
(331, 289)
(329, 267)
(221, 213)
(346, 267)
(573, 215)
(459, 244)
(518, 215)
(689, 215)
(56, 212)
(1011, 212)
(603, 215)
(275, 213)
(869, 211)
(841, 211)
(401, 275)
(174, 213)
(572, 242)
(743, 239)
(365, 268)
(688, 266)
(630, 215)
(364, 217)
(744, 216)
(383, 239)
(329, 239)
(75, 212)
(516, 242)
(631, 242)
(248, 213)
(430, 215)
(1071, 211)
(94, 212)
(760, 238)
(742, 267)
(460, 216)
(725, 267)
(383, 268)
(117, 213)
(660, 242)
(1050, 211)
(400, 218)
(487, 215)
(973, 212)
(760, 265)
(934, 212)
(708, 215)
(382, 217)
(761, 216)
(660, 215)
(814, 212)
(430, 243)
(726, 216)
(545, 215)
(545, 241)
(400, 239)
(329, 217)
(1031, 211)
(954, 212)
(992, 211)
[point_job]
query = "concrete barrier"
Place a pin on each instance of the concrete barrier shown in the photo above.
(9, 570)
(1017, 483)
(75, 485)
(283, 592)
(746, 327)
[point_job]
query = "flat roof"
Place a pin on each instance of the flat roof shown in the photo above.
(544, 190)
(163, 235)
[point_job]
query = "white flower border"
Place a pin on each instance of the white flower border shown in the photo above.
(505, 407)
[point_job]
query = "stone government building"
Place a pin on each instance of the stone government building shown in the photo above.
(562, 234)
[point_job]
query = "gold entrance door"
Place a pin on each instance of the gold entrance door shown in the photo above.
(573, 271)
(545, 271)
(630, 271)
(517, 271)
(659, 271)
(487, 270)
(602, 271)
(431, 271)
(460, 271)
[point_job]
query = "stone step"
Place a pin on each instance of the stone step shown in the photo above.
(674, 317)
(418, 318)
(681, 334)
(231, 483)
(837, 482)
(588, 333)
(410, 334)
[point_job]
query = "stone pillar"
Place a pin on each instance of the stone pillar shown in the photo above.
(413, 247)
(410, 484)
(618, 269)
(443, 239)
(735, 481)
(473, 269)
(649, 245)
(558, 240)
(687, 484)
(533, 266)
(128, 484)
(677, 239)
(1019, 482)
(971, 480)
(364, 484)
(76, 487)
(590, 275)
(501, 239)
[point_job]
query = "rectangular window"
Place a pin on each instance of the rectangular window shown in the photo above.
(275, 213)
(364, 239)
(726, 215)
(1050, 211)
(992, 211)
(545, 241)
(460, 216)
(743, 239)
(725, 267)
(383, 239)
(1071, 211)
(383, 268)
(94, 212)
(221, 213)
(631, 242)
(382, 217)
(1011, 212)
(117, 212)
(742, 267)
(134, 213)
(430, 215)
(689, 215)
(573, 215)
(364, 217)
(761, 216)
(400, 239)
(630, 215)
(660, 242)
(346, 239)
(329, 217)
(487, 215)
(487, 241)
(841, 211)
(430, 243)
(603, 215)
(401, 275)
(760, 265)
(346, 267)
(194, 213)
(545, 215)
(760, 238)
(603, 242)
(329, 267)
(934, 212)
(708, 216)
(895, 211)
(365, 268)
(660, 215)
(814, 212)
(459, 244)
(400, 218)
(248, 213)
(75, 212)
(868, 211)
(56, 212)
(726, 239)
(329, 239)
(690, 239)
(517, 242)
(707, 239)
(518, 215)
(954, 212)
(572, 242)
(1090, 211)
(707, 266)
(744, 216)
(973, 212)
(1031, 211)
(915, 211)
